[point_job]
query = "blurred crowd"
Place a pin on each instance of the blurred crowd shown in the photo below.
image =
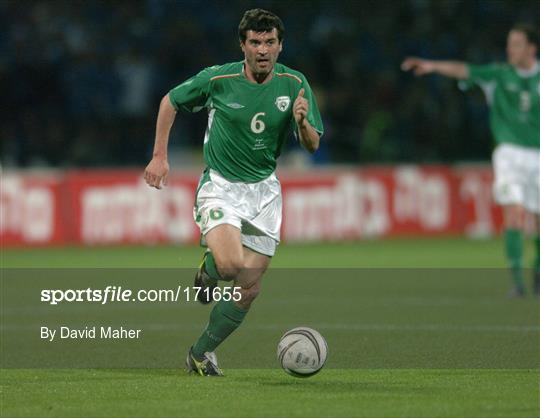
(81, 81)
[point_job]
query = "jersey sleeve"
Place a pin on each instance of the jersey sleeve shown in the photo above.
(192, 95)
(485, 76)
(313, 116)
(484, 73)
(481, 75)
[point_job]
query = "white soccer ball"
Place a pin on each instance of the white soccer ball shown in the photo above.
(302, 352)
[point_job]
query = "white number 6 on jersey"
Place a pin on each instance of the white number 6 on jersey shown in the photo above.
(257, 125)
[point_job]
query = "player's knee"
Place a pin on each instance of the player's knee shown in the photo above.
(514, 216)
(230, 268)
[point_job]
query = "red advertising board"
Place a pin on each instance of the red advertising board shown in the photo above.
(372, 202)
(117, 207)
(30, 210)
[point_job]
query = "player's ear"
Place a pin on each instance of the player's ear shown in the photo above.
(242, 46)
(280, 46)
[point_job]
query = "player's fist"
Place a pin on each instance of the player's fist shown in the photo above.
(418, 66)
(156, 172)
(300, 107)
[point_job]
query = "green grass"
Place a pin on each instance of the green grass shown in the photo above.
(402, 342)
(393, 253)
(270, 393)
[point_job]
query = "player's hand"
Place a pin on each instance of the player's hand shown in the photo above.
(300, 108)
(156, 172)
(418, 66)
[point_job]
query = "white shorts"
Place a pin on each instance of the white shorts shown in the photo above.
(254, 208)
(517, 176)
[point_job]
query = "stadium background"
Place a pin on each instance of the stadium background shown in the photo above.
(81, 83)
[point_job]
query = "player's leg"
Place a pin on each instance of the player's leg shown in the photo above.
(509, 187)
(227, 257)
(532, 205)
(513, 243)
(536, 266)
(227, 315)
(249, 280)
(225, 251)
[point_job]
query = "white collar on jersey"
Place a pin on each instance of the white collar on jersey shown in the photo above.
(529, 73)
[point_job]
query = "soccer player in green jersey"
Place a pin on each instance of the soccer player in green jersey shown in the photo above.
(513, 94)
(253, 105)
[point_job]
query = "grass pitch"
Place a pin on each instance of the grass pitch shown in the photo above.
(395, 327)
(271, 393)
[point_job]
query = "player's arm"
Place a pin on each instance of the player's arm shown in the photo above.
(157, 170)
(453, 69)
(308, 136)
(190, 96)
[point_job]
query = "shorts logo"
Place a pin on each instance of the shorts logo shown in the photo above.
(283, 102)
(216, 214)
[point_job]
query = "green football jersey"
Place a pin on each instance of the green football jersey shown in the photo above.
(248, 123)
(514, 100)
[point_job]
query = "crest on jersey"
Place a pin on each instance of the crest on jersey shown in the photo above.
(283, 102)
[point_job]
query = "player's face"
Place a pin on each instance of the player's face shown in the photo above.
(261, 50)
(518, 49)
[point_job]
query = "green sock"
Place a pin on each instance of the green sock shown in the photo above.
(210, 267)
(514, 251)
(537, 258)
(224, 319)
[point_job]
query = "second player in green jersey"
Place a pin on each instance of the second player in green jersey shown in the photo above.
(513, 94)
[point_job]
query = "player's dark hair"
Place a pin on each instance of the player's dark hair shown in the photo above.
(530, 32)
(259, 20)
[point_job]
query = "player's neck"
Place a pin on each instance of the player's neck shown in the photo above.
(257, 78)
(528, 70)
(527, 65)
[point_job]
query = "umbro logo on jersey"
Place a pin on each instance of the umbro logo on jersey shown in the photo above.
(235, 105)
(283, 102)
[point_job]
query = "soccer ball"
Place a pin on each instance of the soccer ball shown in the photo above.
(302, 352)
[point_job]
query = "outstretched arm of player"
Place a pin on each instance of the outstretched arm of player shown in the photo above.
(453, 69)
(309, 137)
(157, 170)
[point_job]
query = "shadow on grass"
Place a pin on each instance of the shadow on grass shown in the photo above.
(321, 383)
